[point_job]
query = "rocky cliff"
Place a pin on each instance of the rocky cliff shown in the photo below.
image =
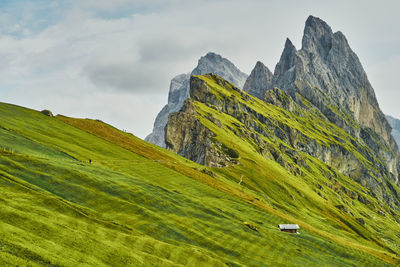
(259, 81)
(309, 140)
(327, 73)
(219, 124)
(179, 90)
(395, 124)
(322, 108)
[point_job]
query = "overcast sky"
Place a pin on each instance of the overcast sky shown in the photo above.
(113, 60)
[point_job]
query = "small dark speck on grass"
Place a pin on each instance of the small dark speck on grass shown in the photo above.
(251, 226)
(212, 174)
(177, 191)
(47, 113)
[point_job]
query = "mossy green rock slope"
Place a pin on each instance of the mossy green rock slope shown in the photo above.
(138, 205)
(292, 156)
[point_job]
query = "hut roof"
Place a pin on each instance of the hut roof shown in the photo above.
(289, 226)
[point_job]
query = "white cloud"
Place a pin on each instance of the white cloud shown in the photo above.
(115, 59)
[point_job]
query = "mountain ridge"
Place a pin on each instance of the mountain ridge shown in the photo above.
(81, 192)
(330, 76)
(179, 90)
(318, 120)
(222, 126)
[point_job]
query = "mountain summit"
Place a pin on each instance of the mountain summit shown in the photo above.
(328, 74)
(179, 90)
(214, 63)
(326, 61)
(259, 80)
(318, 103)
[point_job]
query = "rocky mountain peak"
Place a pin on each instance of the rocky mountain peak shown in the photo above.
(175, 89)
(261, 67)
(212, 57)
(289, 46)
(317, 36)
(214, 63)
(287, 57)
(329, 75)
(179, 90)
(327, 62)
(259, 80)
(286, 62)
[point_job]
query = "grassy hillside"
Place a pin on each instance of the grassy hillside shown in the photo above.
(139, 205)
(311, 191)
(317, 194)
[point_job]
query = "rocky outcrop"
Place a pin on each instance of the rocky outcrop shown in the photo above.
(325, 111)
(327, 62)
(214, 63)
(179, 90)
(259, 81)
(178, 93)
(395, 124)
(188, 137)
(199, 147)
(328, 74)
(280, 129)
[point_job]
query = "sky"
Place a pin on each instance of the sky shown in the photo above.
(114, 60)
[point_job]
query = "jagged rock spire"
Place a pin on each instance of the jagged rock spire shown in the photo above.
(317, 36)
(259, 80)
(327, 73)
(286, 62)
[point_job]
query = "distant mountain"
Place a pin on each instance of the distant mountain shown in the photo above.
(178, 93)
(395, 123)
(179, 90)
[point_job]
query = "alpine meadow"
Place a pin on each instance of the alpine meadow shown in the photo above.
(293, 167)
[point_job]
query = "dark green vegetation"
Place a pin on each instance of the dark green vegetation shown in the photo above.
(137, 204)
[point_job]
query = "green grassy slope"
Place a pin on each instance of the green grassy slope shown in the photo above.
(317, 194)
(137, 204)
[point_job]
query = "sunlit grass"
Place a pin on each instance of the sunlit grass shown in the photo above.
(137, 204)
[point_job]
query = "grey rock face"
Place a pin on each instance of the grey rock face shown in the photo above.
(330, 76)
(395, 123)
(284, 70)
(327, 62)
(213, 63)
(259, 81)
(179, 90)
(187, 136)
